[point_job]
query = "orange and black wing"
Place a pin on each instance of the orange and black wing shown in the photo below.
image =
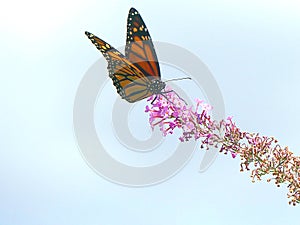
(139, 47)
(130, 82)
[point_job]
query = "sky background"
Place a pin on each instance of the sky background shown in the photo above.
(251, 47)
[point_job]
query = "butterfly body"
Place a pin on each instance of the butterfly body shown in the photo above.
(136, 75)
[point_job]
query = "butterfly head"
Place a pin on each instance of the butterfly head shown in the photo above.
(157, 86)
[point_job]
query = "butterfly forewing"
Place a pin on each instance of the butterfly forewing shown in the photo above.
(139, 47)
(130, 82)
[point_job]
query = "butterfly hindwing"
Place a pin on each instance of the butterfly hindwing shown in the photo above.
(130, 82)
(139, 47)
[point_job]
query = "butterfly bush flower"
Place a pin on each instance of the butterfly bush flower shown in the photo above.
(260, 154)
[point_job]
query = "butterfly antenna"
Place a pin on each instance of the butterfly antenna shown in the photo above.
(183, 78)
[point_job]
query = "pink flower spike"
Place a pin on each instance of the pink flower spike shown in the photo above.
(233, 154)
(172, 125)
(175, 114)
(262, 153)
(199, 101)
(150, 98)
(206, 107)
(147, 109)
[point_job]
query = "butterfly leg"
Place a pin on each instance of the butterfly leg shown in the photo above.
(154, 99)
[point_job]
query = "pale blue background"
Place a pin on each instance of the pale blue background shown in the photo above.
(251, 47)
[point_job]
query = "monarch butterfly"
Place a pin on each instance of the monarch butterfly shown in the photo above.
(136, 75)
